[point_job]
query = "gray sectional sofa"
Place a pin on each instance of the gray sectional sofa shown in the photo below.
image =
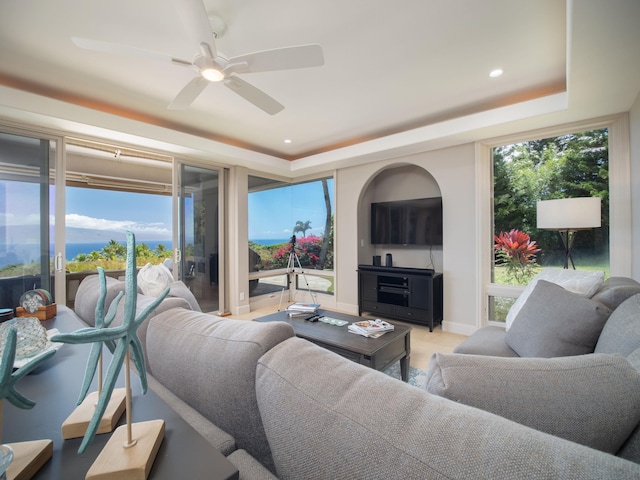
(281, 407)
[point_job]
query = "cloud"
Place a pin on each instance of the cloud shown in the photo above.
(83, 221)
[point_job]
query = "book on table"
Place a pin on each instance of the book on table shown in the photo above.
(303, 307)
(370, 328)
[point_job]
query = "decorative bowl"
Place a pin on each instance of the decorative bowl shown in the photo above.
(31, 338)
(6, 456)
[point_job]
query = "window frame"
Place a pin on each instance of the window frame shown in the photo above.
(620, 254)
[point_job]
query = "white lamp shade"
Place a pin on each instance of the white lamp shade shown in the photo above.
(569, 213)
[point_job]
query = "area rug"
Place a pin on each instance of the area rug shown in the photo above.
(417, 377)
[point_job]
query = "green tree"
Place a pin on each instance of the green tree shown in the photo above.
(328, 230)
(81, 257)
(575, 165)
(302, 227)
(114, 251)
(143, 250)
(161, 250)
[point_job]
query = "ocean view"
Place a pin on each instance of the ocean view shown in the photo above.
(29, 252)
(269, 241)
(73, 249)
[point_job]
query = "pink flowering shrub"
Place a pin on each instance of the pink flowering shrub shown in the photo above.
(517, 252)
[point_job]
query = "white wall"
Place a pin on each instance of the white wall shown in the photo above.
(634, 126)
(453, 170)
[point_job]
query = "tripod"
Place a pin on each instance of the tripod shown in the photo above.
(291, 268)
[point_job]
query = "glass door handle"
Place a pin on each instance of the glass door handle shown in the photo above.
(57, 263)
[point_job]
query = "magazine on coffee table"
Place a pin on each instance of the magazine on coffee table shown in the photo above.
(303, 307)
(370, 328)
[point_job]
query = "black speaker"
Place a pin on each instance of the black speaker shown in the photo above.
(377, 260)
(389, 262)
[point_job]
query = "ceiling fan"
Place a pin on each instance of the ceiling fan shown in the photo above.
(213, 67)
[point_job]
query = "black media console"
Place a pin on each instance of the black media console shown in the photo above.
(409, 294)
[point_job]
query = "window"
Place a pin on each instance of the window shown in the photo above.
(27, 202)
(565, 166)
(282, 216)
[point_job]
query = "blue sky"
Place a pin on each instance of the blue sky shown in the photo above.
(272, 213)
(148, 215)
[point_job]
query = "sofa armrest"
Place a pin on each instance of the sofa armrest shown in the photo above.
(589, 399)
(488, 340)
(220, 440)
(210, 363)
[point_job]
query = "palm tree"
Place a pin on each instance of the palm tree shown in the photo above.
(143, 250)
(302, 227)
(161, 250)
(114, 250)
(327, 225)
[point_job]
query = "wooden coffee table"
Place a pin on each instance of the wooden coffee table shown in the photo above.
(377, 353)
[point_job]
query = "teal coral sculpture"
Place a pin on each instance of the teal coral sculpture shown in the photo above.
(101, 321)
(123, 337)
(9, 378)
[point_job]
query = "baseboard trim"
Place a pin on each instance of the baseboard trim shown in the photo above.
(459, 328)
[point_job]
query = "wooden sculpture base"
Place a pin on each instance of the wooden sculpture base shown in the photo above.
(76, 424)
(28, 458)
(120, 462)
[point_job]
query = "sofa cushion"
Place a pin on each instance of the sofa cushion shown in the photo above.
(631, 449)
(584, 283)
(142, 302)
(488, 340)
(616, 290)
(556, 323)
(589, 399)
(621, 334)
(88, 295)
(179, 289)
(328, 417)
(210, 362)
(154, 279)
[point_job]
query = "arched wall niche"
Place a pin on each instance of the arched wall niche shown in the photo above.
(397, 182)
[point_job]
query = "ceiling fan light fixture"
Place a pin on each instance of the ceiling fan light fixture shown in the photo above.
(212, 74)
(209, 69)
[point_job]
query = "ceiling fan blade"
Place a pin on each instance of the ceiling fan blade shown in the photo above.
(286, 58)
(253, 95)
(108, 47)
(189, 93)
(195, 19)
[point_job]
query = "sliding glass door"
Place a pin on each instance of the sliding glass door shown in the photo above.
(27, 201)
(201, 263)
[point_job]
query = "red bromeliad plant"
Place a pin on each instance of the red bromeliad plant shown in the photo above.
(516, 251)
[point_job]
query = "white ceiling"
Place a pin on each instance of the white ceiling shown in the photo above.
(413, 72)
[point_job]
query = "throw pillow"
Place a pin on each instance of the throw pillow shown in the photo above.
(583, 283)
(154, 279)
(621, 334)
(554, 322)
(589, 399)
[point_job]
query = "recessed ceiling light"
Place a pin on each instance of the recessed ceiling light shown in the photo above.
(287, 140)
(496, 73)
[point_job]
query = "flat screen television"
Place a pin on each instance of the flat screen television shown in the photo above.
(407, 222)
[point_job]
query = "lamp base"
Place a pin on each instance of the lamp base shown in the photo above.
(568, 237)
